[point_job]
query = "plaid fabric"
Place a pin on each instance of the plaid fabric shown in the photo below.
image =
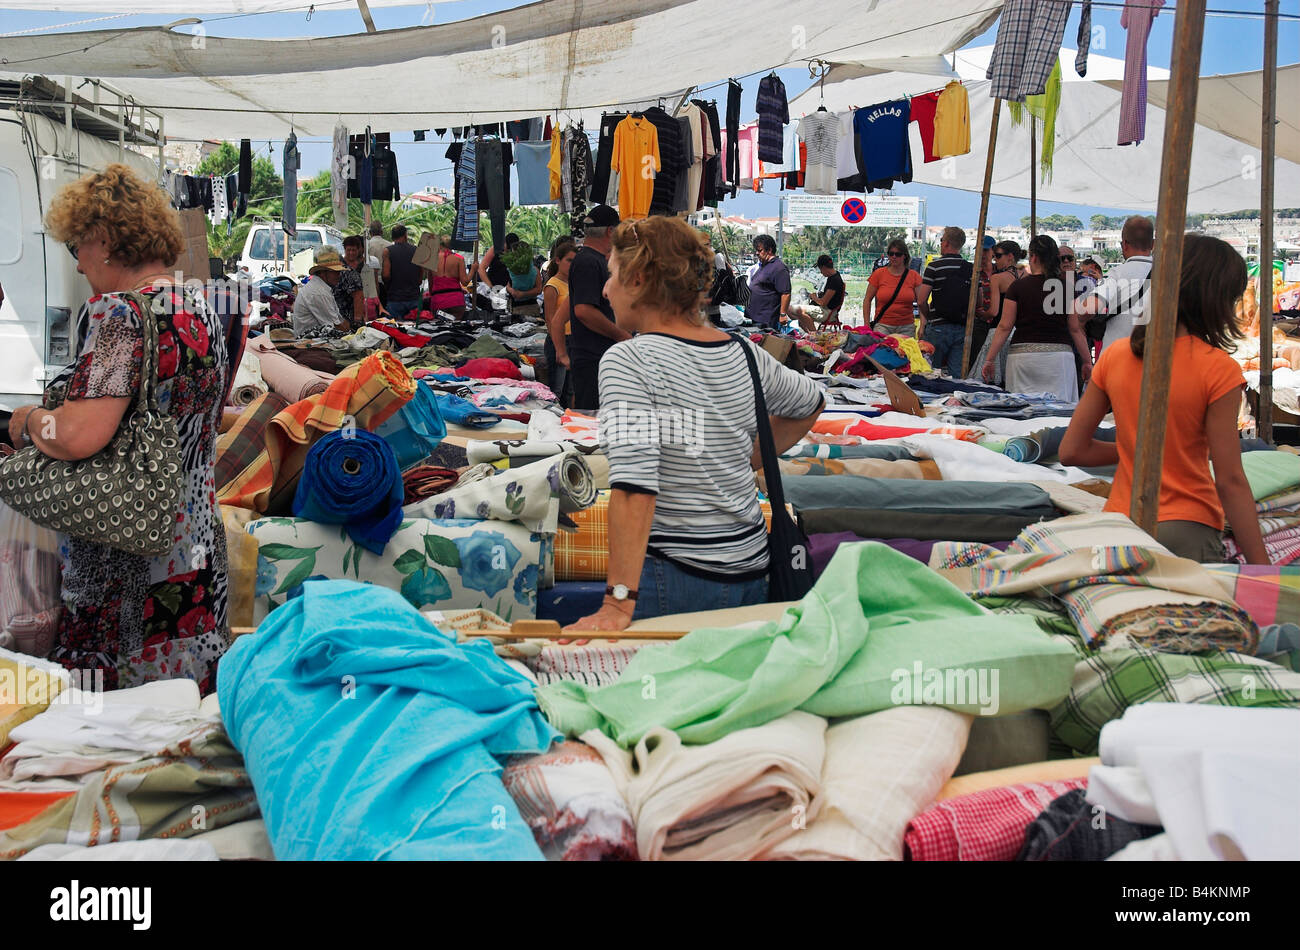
(982, 826)
(239, 447)
(583, 555)
(1283, 547)
(1270, 594)
(1029, 38)
(365, 394)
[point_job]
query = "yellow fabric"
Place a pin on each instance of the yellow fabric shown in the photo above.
(634, 139)
(912, 350)
(241, 566)
(952, 121)
(1054, 771)
(561, 287)
(25, 691)
(553, 166)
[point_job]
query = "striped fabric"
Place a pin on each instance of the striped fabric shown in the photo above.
(466, 227)
(1270, 594)
(240, 446)
(1027, 46)
(365, 394)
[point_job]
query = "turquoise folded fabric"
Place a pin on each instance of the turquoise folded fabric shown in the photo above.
(415, 430)
(890, 453)
(932, 497)
(1271, 472)
(878, 629)
(350, 477)
(369, 734)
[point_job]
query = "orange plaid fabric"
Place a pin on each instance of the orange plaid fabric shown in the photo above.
(366, 393)
(583, 555)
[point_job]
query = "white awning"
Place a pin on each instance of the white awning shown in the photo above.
(1089, 167)
(565, 55)
(203, 7)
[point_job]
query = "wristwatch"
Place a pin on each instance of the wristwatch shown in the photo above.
(620, 592)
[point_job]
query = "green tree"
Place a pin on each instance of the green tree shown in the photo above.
(266, 183)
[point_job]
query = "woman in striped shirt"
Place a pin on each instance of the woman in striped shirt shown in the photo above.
(678, 424)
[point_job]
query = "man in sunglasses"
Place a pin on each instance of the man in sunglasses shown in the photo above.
(1074, 274)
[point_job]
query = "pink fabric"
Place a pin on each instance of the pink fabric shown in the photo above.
(750, 169)
(982, 826)
(1137, 18)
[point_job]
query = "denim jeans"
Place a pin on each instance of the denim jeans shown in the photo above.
(400, 309)
(667, 589)
(948, 340)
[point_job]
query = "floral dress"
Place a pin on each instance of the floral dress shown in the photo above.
(148, 618)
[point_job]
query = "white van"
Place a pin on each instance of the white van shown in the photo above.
(53, 139)
(264, 247)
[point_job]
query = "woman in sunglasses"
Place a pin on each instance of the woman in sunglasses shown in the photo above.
(1006, 254)
(891, 290)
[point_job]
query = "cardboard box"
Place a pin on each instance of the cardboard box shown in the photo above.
(193, 261)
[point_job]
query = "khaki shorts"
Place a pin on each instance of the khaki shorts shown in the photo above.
(1193, 540)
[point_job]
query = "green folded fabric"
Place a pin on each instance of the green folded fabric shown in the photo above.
(878, 629)
(1271, 472)
(945, 497)
(486, 347)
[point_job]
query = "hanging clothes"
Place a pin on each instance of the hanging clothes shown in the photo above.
(732, 175)
(922, 109)
(773, 114)
(711, 184)
(952, 118)
(848, 156)
(1083, 39)
(566, 172)
(601, 186)
(681, 197)
(491, 177)
(534, 179)
(1137, 18)
(634, 152)
(556, 165)
(750, 171)
(292, 162)
(237, 202)
(580, 173)
(219, 207)
(383, 170)
(1027, 47)
(1042, 109)
(339, 177)
(821, 133)
(883, 144)
(466, 232)
(671, 160)
(700, 151)
(245, 167)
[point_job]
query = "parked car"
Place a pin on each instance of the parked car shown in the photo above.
(264, 247)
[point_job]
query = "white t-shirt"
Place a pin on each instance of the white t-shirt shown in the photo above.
(1121, 294)
(314, 309)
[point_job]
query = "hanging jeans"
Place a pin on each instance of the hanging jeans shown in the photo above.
(1029, 41)
(490, 174)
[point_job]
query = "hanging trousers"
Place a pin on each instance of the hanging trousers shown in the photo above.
(490, 173)
(733, 133)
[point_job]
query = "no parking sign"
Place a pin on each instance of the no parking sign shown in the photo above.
(853, 211)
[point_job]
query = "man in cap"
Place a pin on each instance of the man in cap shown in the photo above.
(594, 329)
(314, 308)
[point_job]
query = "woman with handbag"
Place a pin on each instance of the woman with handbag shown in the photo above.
(679, 414)
(119, 455)
(892, 289)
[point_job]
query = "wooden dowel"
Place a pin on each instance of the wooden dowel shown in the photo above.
(1267, 140)
(978, 252)
(1171, 217)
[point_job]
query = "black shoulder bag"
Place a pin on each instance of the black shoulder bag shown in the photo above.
(881, 311)
(789, 572)
(1094, 327)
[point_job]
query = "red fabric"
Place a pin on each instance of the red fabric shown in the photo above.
(18, 808)
(489, 368)
(869, 430)
(983, 826)
(405, 339)
(923, 115)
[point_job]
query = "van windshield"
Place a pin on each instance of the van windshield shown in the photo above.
(268, 245)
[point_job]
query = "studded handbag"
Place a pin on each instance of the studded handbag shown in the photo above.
(125, 496)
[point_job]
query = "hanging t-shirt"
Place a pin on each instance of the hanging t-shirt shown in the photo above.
(821, 134)
(534, 178)
(636, 149)
(747, 152)
(682, 198)
(773, 114)
(922, 113)
(882, 134)
(847, 155)
(952, 121)
(672, 160)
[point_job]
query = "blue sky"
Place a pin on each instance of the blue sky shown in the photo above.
(1232, 44)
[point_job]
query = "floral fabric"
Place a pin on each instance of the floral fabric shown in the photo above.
(441, 564)
(138, 618)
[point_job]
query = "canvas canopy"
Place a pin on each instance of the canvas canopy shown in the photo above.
(1089, 168)
(560, 55)
(203, 7)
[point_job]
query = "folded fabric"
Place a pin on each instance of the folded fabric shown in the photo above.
(569, 799)
(425, 481)
(17, 808)
(286, 376)
(824, 451)
(570, 427)
(880, 772)
(352, 478)
(400, 336)
(331, 702)
(464, 564)
(489, 368)
(158, 796)
(591, 665)
(983, 826)
(877, 630)
(239, 447)
(1178, 725)
(477, 450)
(926, 497)
(1067, 830)
(462, 412)
(730, 800)
(841, 424)
(1051, 770)
(968, 461)
(364, 396)
(415, 430)
(1126, 592)
(891, 524)
(318, 358)
(485, 347)
(1270, 473)
(862, 468)
(151, 850)
(27, 686)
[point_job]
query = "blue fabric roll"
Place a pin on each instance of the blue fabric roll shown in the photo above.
(462, 412)
(370, 735)
(350, 477)
(414, 431)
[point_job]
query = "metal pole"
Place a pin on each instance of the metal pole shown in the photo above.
(979, 239)
(1171, 216)
(1267, 142)
(780, 227)
(1033, 176)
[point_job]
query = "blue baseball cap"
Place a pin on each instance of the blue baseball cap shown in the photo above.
(988, 241)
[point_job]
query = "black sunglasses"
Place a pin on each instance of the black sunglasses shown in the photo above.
(1068, 258)
(896, 254)
(72, 248)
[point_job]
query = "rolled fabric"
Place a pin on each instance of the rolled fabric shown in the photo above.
(243, 395)
(424, 481)
(351, 478)
(577, 484)
(283, 375)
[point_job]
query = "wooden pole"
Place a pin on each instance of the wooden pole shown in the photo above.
(979, 239)
(1171, 217)
(365, 15)
(1267, 141)
(1033, 176)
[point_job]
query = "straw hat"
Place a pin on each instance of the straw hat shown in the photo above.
(326, 258)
